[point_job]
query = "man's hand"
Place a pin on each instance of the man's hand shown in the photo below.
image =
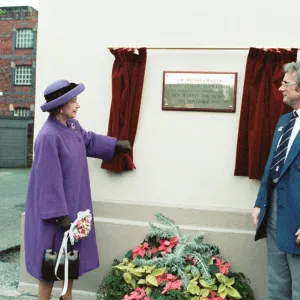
(255, 216)
(298, 236)
(123, 146)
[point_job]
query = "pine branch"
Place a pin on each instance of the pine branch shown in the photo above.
(179, 251)
(159, 232)
(170, 223)
(185, 280)
(195, 271)
(205, 249)
(203, 267)
(159, 262)
(198, 238)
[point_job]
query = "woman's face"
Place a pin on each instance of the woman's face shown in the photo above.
(69, 110)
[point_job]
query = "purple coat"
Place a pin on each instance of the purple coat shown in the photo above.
(59, 185)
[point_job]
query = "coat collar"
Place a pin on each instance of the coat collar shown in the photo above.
(70, 129)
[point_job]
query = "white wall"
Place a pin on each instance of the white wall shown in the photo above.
(182, 158)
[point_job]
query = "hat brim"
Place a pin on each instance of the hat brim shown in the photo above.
(64, 98)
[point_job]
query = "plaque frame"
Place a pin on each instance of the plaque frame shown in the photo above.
(231, 109)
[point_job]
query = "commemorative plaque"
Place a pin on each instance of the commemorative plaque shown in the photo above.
(199, 91)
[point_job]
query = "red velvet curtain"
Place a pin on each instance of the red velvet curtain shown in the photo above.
(262, 106)
(127, 86)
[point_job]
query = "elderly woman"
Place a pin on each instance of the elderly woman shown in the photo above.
(59, 185)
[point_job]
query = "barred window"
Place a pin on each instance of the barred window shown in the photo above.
(23, 75)
(24, 38)
(21, 112)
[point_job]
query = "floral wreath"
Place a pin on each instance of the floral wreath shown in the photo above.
(170, 266)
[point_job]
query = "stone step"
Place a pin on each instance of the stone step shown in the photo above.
(8, 293)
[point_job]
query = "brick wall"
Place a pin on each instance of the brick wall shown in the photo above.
(15, 96)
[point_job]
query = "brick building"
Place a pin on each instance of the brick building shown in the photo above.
(18, 36)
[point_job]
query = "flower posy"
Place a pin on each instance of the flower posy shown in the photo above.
(81, 227)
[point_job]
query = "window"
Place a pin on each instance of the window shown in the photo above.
(23, 75)
(24, 38)
(21, 112)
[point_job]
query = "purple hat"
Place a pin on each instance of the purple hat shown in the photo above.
(60, 92)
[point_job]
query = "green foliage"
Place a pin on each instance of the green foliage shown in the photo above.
(128, 254)
(213, 269)
(200, 287)
(144, 275)
(225, 288)
(170, 295)
(243, 285)
(113, 287)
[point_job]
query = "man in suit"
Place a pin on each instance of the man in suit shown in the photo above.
(276, 214)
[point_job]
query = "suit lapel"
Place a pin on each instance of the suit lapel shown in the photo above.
(278, 135)
(292, 153)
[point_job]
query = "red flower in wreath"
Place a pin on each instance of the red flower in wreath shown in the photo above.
(166, 245)
(140, 250)
(223, 267)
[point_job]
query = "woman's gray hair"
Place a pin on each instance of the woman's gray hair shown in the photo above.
(293, 67)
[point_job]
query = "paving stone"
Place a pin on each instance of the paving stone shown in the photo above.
(13, 191)
(8, 292)
(12, 204)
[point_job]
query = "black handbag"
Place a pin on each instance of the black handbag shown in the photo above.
(50, 259)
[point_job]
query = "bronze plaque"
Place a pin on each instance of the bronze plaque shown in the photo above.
(199, 91)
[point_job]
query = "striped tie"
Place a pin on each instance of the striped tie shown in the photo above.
(279, 157)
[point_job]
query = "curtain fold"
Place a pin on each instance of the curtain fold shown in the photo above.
(127, 85)
(261, 108)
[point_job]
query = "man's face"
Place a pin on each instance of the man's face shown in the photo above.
(290, 90)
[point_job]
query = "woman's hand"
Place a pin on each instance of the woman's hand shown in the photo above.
(64, 222)
(123, 146)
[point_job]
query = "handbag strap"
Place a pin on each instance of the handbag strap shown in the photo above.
(53, 242)
(63, 248)
(54, 238)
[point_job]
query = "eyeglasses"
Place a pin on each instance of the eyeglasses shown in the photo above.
(286, 84)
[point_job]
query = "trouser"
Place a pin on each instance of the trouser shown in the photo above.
(283, 268)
